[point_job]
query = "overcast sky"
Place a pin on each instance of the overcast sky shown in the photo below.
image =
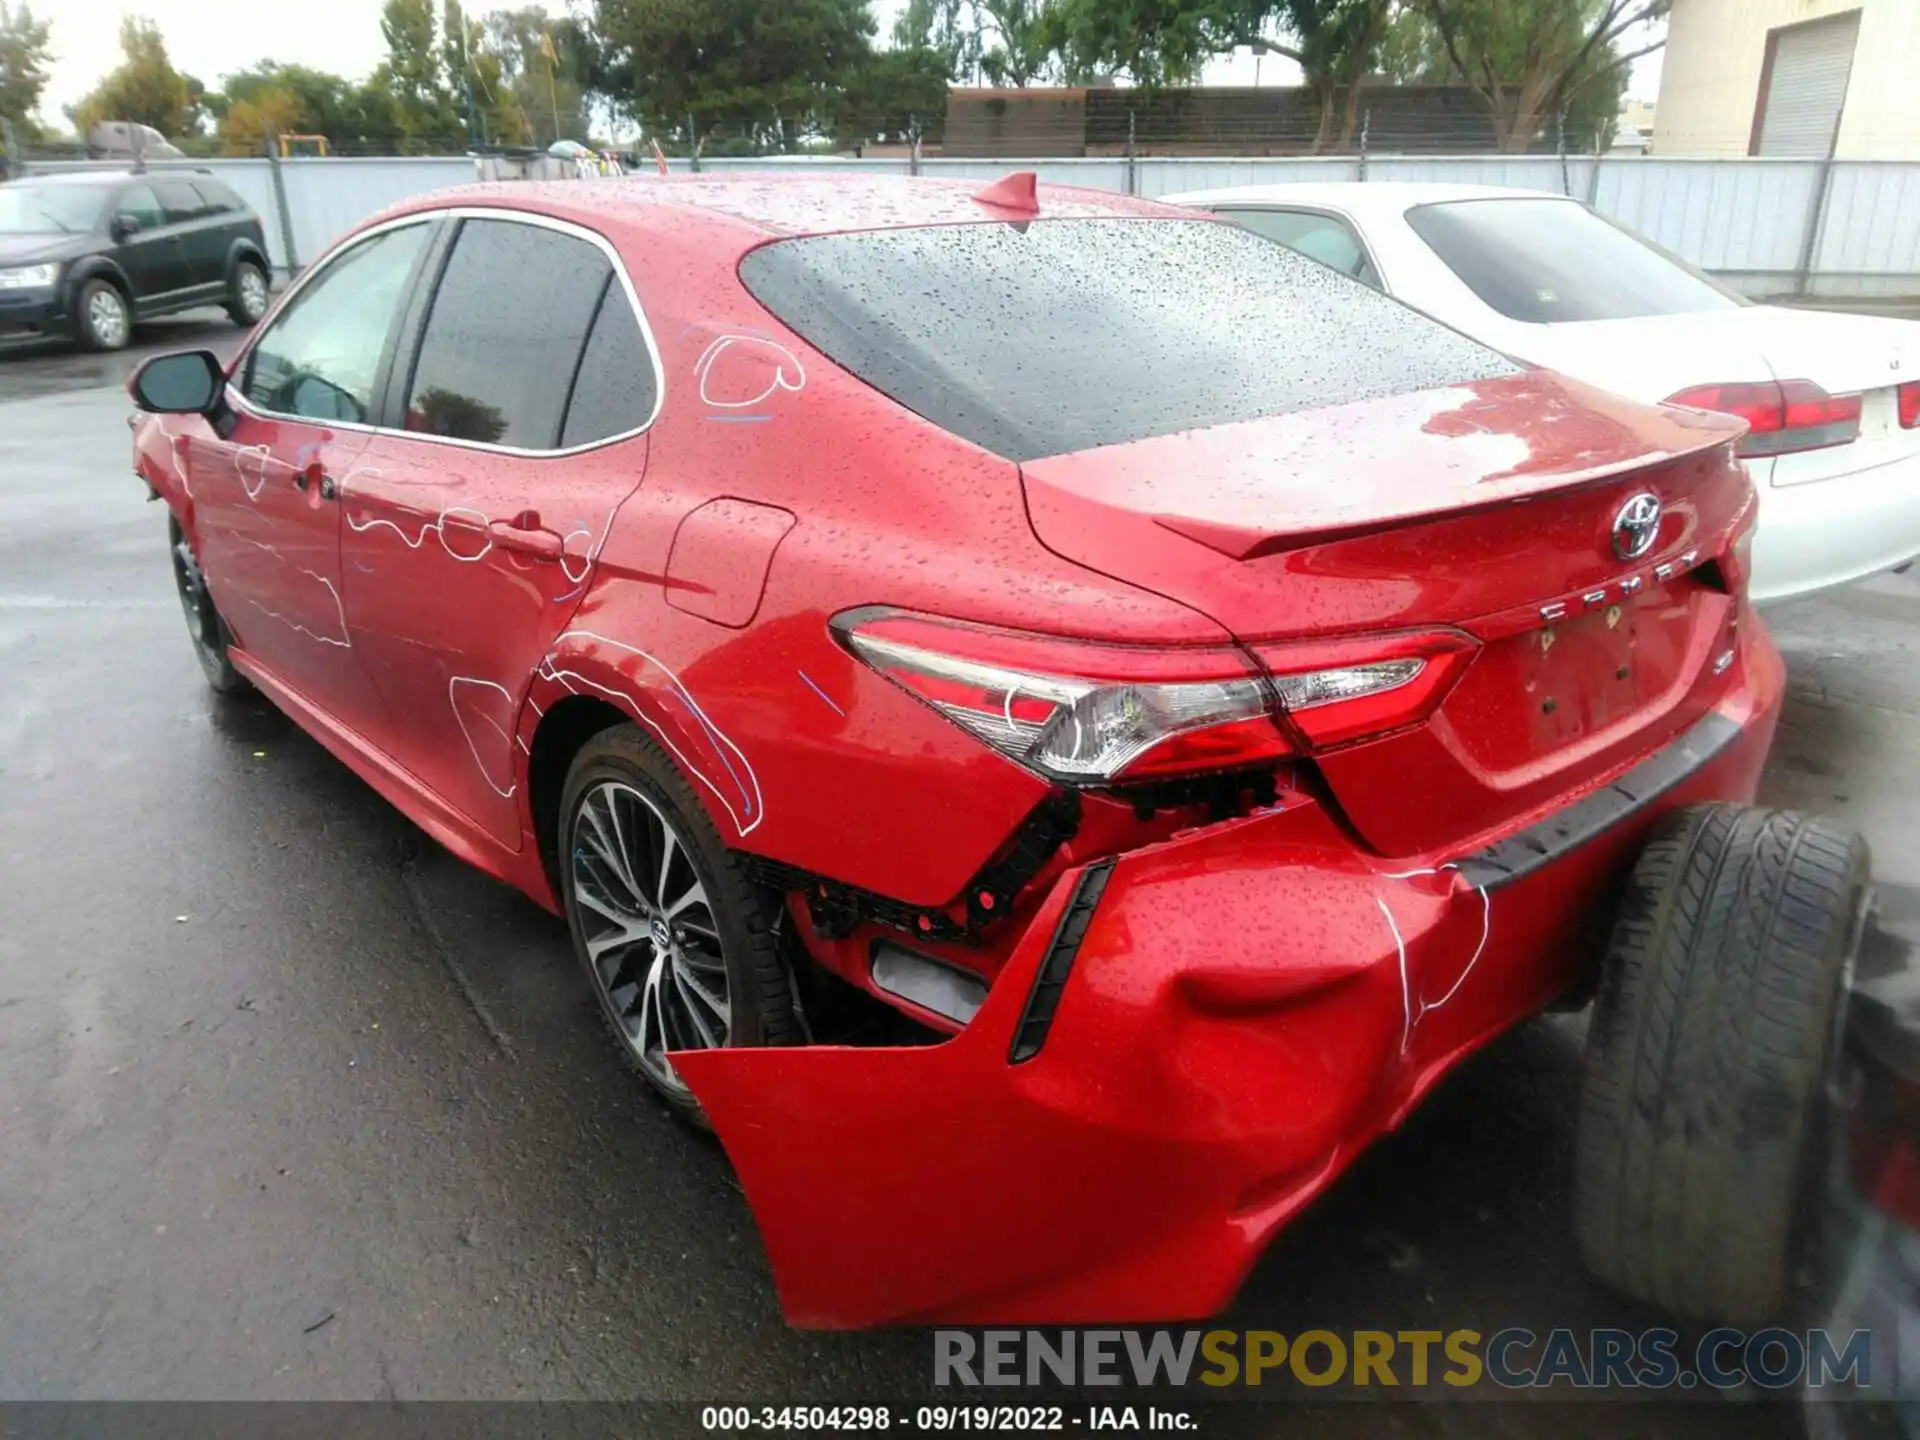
(214, 38)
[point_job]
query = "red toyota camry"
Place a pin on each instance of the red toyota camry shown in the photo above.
(1052, 721)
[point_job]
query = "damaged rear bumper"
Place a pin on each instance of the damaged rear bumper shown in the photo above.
(1189, 1044)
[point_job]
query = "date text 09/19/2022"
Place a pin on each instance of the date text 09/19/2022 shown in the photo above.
(945, 1418)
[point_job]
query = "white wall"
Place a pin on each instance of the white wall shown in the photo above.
(1882, 118)
(1744, 219)
(1716, 49)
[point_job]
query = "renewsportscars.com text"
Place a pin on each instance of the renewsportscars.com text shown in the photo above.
(1511, 1359)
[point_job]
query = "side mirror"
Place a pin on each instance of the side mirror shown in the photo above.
(187, 383)
(124, 225)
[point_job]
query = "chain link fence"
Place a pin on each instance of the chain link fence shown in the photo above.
(1771, 227)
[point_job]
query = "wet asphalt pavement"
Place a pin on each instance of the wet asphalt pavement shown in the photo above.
(293, 1104)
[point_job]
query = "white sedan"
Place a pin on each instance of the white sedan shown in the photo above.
(1833, 400)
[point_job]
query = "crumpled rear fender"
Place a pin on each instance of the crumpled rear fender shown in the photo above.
(1221, 1049)
(1250, 1005)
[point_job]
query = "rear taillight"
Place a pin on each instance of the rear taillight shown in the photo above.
(1092, 714)
(1783, 416)
(1909, 395)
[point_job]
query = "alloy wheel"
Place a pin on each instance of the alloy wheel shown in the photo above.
(253, 293)
(648, 927)
(107, 318)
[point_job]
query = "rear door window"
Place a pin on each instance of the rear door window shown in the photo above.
(1063, 335)
(180, 200)
(504, 339)
(1325, 238)
(138, 202)
(1549, 260)
(218, 197)
(614, 391)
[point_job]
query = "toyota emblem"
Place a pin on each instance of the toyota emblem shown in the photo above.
(1636, 526)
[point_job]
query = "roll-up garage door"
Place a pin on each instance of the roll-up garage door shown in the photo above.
(1806, 85)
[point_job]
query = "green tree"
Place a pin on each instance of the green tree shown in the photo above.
(476, 74)
(371, 122)
(1003, 42)
(1154, 42)
(545, 64)
(1531, 60)
(1017, 43)
(890, 95)
(422, 110)
(144, 89)
(1335, 42)
(270, 98)
(947, 29)
(249, 125)
(765, 73)
(24, 60)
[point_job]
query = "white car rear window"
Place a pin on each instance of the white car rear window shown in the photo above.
(1547, 260)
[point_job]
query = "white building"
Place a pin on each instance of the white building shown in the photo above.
(1791, 77)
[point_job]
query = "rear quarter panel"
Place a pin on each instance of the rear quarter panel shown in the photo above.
(844, 774)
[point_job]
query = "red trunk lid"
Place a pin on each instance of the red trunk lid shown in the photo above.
(1488, 507)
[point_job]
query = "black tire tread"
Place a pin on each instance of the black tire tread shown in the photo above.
(222, 678)
(1705, 1057)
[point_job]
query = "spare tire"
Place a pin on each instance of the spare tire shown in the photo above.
(1720, 1002)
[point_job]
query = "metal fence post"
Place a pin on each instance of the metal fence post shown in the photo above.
(1817, 215)
(1816, 223)
(280, 205)
(1366, 125)
(913, 144)
(1133, 166)
(693, 144)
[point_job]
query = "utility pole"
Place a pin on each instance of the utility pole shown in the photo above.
(553, 83)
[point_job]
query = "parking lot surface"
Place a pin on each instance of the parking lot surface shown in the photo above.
(293, 1104)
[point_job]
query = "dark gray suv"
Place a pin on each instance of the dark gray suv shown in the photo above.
(90, 253)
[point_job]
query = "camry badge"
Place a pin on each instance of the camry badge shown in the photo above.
(1636, 526)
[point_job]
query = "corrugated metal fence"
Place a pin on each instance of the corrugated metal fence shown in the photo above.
(1770, 227)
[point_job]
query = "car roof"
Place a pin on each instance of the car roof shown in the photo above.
(786, 205)
(1360, 197)
(79, 177)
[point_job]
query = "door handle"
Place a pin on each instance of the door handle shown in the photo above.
(526, 540)
(314, 473)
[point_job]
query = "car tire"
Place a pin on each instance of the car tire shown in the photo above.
(103, 320)
(205, 627)
(248, 295)
(1719, 1008)
(620, 774)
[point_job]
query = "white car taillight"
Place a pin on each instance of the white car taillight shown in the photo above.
(1783, 417)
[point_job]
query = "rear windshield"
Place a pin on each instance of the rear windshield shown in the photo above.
(1064, 335)
(1547, 260)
